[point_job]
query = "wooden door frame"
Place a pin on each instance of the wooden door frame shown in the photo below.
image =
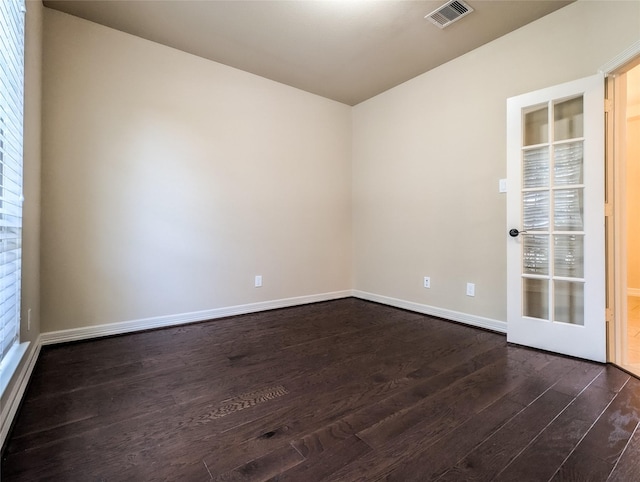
(615, 202)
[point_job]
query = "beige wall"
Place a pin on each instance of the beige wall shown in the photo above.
(428, 155)
(32, 158)
(169, 181)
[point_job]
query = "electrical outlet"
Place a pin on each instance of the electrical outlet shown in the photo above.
(471, 289)
(258, 281)
(427, 282)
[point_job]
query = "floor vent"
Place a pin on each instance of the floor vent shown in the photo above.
(449, 13)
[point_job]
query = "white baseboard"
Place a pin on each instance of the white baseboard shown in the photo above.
(477, 321)
(14, 397)
(633, 291)
(117, 328)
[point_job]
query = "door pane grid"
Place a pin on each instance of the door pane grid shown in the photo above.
(553, 212)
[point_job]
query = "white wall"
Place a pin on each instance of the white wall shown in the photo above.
(169, 181)
(428, 155)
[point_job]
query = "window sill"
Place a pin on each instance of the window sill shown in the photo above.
(10, 363)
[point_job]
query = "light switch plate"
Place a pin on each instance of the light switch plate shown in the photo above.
(502, 185)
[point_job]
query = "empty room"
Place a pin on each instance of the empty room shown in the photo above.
(319, 240)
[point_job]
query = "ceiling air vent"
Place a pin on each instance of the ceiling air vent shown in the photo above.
(449, 13)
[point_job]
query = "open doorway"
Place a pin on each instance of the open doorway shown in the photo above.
(632, 181)
(624, 234)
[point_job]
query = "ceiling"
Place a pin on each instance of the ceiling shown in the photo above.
(346, 50)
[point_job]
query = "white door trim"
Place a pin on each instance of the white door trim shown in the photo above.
(621, 59)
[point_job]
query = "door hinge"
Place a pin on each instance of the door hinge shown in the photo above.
(608, 315)
(608, 105)
(608, 209)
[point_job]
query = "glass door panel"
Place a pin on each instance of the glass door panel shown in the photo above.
(535, 168)
(568, 119)
(535, 255)
(569, 302)
(535, 206)
(536, 298)
(536, 126)
(553, 212)
(568, 256)
(568, 210)
(568, 159)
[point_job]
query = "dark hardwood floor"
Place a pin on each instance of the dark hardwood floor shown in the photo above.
(340, 391)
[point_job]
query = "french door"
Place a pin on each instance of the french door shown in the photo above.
(555, 216)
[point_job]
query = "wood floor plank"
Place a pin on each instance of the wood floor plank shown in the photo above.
(432, 461)
(321, 462)
(264, 467)
(437, 412)
(351, 392)
(339, 391)
(555, 443)
(490, 457)
(69, 417)
(465, 349)
(301, 418)
(274, 365)
(598, 452)
(130, 446)
(416, 462)
(361, 400)
(422, 455)
(628, 465)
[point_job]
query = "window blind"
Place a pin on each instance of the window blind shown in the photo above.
(11, 132)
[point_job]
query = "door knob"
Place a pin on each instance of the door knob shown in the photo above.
(514, 232)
